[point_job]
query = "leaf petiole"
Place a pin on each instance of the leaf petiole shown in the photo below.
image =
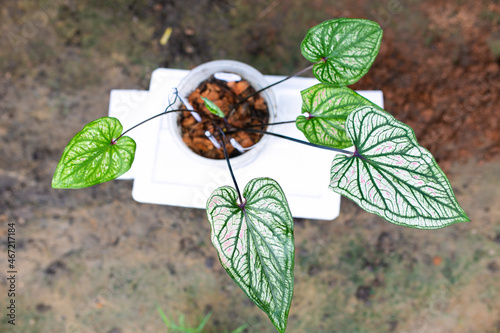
(145, 121)
(342, 151)
(242, 203)
(276, 83)
(273, 124)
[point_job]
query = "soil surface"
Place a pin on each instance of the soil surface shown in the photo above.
(94, 260)
(241, 110)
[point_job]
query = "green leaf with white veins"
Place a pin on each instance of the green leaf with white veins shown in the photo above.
(392, 176)
(94, 155)
(327, 108)
(344, 49)
(255, 244)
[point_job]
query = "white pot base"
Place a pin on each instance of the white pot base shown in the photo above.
(165, 174)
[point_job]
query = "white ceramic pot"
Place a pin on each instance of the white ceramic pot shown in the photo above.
(246, 72)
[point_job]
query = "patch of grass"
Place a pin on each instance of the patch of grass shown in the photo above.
(181, 326)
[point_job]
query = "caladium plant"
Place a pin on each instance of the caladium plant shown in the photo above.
(386, 173)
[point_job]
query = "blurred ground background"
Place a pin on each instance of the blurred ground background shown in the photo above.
(93, 260)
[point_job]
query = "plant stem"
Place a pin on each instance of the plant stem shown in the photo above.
(342, 151)
(226, 156)
(145, 121)
(271, 124)
(276, 83)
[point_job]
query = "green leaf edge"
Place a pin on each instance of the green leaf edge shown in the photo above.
(322, 63)
(414, 138)
(57, 183)
(212, 107)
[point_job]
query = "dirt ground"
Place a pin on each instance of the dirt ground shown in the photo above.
(94, 260)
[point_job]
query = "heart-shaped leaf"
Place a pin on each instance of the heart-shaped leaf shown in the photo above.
(255, 244)
(344, 49)
(327, 108)
(212, 107)
(93, 156)
(392, 176)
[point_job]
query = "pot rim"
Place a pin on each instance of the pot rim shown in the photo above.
(200, 73)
